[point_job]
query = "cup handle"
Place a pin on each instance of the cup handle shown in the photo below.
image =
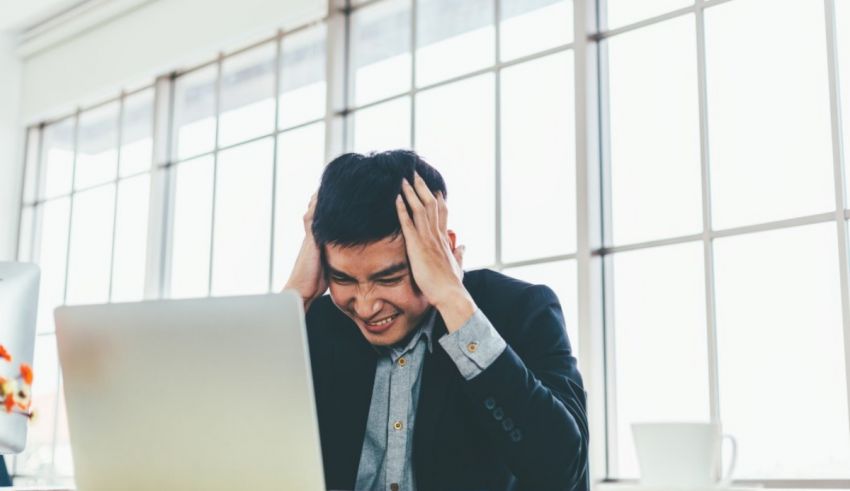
(726, 481)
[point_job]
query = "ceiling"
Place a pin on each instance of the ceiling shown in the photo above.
(18, 15)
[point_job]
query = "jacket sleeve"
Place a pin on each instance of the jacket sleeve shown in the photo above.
(531, 401)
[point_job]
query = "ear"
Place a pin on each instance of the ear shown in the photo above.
(452, 238)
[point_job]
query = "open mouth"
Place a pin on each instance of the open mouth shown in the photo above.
(382, 324)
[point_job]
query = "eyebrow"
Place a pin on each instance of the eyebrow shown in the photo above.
(395, 268)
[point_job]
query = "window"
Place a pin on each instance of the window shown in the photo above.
(721, 253)
(86, 203)
(102, 187)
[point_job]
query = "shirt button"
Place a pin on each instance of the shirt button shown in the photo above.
(471, 347)
(402, 362)
(398, 425)
(394, 486)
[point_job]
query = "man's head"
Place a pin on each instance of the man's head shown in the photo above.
(357, 228)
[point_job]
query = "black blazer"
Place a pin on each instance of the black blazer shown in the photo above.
(519, 425)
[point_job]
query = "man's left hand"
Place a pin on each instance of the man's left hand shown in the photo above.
(434, 265)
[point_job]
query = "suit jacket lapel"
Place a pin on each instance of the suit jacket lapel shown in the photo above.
(355, 362)
(436, 377)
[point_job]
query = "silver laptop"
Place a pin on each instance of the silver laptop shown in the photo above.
(203, 394)
(18, 308)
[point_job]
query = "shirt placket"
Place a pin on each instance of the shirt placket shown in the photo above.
(398, 430)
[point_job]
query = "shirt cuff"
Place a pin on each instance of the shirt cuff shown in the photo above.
(475, 346)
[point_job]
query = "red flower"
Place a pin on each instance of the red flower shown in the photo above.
(26, 373)
(5, 354)
(9, 403)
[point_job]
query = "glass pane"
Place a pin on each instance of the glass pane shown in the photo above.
(382, 127)
(453, 38)
(52, 259)
(190, 253)
(30, 181)
(623, 12)
(529, 26)
(25, 235)
(302, 77)
(655, 149)
(97, 146)
(243, 214)
(194, 112)
(380, 50)
(91, 246)
(58, 155)
(768, 102)
(455, 133)
(538, 159)
(37, 459)
(131, 227)
(779, 342)
(300, 162)
(842, 23)
(247, 95)
(660, 323)
(560, 276)
(137, 133)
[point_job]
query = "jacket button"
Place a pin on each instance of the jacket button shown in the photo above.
(471, 347)
(516, 435)
(498, 413)
(508, 424)
(490, 403)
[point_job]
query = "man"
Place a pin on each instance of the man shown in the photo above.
(426, 377)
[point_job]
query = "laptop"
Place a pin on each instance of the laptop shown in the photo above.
(202, 394)
(18, 308)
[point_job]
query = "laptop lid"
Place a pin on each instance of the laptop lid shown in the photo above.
(202, 394)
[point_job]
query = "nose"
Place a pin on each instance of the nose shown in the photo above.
(365, 306)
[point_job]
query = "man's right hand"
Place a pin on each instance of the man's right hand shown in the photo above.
(307, 277)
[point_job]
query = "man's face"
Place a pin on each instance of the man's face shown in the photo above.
(372, 284)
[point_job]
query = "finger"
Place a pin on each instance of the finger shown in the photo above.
(414, 202)
(311, 206)
(458, 254)
(425, 194)
(407, 226)
(443, 212)
(428, 201)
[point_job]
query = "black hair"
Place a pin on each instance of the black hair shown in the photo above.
(356, 202)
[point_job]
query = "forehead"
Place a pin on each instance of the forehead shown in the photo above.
(361, 261)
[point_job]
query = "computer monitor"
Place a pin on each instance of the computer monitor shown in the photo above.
(18, 307)
(210, 394)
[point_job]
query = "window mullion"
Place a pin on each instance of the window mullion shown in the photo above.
(337, 53)
(839, 179)
(589, 229)
(160, 211)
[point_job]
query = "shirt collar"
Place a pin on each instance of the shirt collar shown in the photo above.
(425, 329)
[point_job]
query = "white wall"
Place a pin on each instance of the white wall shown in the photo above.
(149, 40)
(11, 146)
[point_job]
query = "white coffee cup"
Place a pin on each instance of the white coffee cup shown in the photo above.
(682, 455)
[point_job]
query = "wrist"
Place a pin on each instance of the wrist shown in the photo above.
(456, 307)
(305, 297)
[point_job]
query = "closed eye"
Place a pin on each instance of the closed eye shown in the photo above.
(390, 281)
(341, 280)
